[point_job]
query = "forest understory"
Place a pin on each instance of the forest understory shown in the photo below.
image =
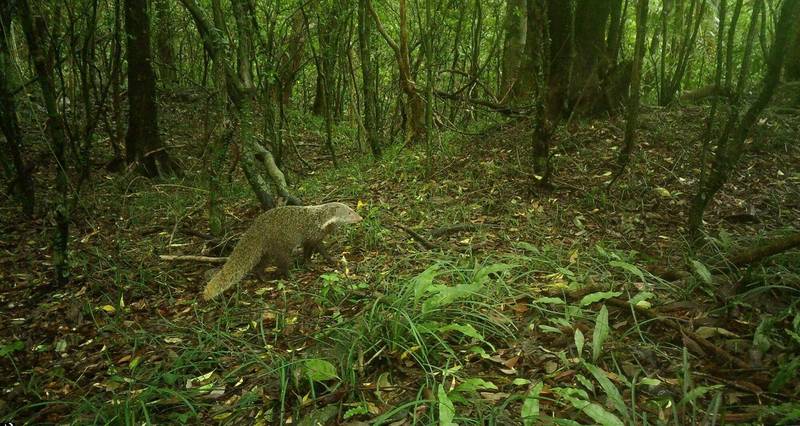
(466, 288)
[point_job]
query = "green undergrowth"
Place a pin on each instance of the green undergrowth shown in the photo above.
(503, 339)
(504, 325)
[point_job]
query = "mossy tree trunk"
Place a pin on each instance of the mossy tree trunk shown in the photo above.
(414, 104)
(34, 26)
(370, 82)
(241, 99)
(793, 59)
(166, 53)
(515, 29)
(632, 109)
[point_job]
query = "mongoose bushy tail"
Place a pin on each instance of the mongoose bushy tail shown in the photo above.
(274, 235)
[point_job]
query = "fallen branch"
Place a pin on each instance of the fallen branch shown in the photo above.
(206, 259)
(425, 243)
(496, 107)
(770, 248)
(452, 229)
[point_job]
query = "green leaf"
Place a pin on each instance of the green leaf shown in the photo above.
(446, 410)
(356, 411)
(442, 295)
(10, 348)
(483, 274)
(579, 340)
(702, 272)
(550, 301)
(467, 330)
(475, 384)
(527, 246)
(600, 332)
(697, 393)
(330, 278)
(641, 296)
(596, 412)
(530, 407)
(424, 280)
(598, 296)
(628, 267)
(319, 370)
(611, 391)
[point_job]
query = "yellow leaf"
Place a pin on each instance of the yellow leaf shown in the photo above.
(108, 308)
(663, 192)
(222, 416)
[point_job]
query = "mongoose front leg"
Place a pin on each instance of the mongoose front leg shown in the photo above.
(324, 252)
(260, 271)
(282, 261)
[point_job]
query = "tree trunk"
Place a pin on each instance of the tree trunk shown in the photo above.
(291, 63)
(632, 112)
(143, 144)
(166, 54)
(33, 27)
(370, 90)
(241, 100)
(18, 171)
(116, 130)
(793, 59)
(414, 106)
(589, 56)
(515, 28)
(616, 28)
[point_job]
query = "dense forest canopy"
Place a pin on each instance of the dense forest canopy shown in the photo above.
(553, 211)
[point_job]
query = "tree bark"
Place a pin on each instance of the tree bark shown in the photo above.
(166, 54)
(793, 59)
(18, 171)
(370, 90)
(515, 28)
(415, 108)
(632, 112)
(34, 27)
(143, 144)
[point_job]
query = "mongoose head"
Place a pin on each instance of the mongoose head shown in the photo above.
(339, 214)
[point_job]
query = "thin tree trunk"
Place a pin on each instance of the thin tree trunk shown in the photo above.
(240, 97)
(33, 26)
(22, 184)
(414, 102)
(515, 28)
(166, 54)
(632, 112)
(370, 93)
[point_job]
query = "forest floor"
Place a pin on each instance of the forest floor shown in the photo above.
(509, 301)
